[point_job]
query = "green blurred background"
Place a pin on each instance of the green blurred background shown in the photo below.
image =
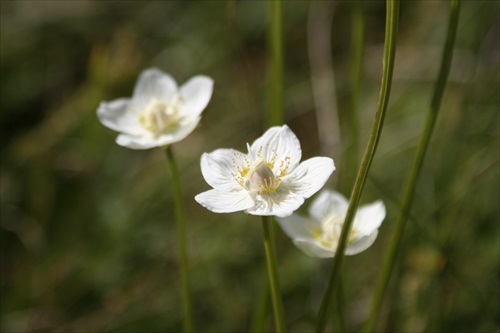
(88, 241)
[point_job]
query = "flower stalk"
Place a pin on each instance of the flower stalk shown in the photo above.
(409, 187)
(187, 322)
(279, 314)
(389, 59)
(275, 97)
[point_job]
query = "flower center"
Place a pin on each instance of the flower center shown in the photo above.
(260, 178)
(159, 116)
(331, 229)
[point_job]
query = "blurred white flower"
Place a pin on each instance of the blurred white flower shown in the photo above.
(267, 181)
(318, 234)
(159, 113)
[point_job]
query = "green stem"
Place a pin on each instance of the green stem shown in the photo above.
(389, 57)
(409, 187)
(275, 113)
(187, 322)
(279, 316)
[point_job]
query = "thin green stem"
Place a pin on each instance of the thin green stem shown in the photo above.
(389, 59)
(279, 316)
(411, 180)
(187, 322)
(275, 113)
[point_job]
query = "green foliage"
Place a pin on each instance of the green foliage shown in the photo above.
(88, 240)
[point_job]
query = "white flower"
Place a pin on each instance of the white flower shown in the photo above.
(159, 113)
(318, 235)
(267, 181)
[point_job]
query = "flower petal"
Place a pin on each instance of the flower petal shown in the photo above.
(361, 244)
(147, 140)
(328, 203)
(224, 202)
(280, 203)
(310, 176)
(196, 94)
(278, 144)
(313, 249)
(369, 217)
(153, 84)
(219, 167)
(297, 226)
(116, 116)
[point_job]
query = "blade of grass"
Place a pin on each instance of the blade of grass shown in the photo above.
(187, 322)
(389, 59)
(409, 187)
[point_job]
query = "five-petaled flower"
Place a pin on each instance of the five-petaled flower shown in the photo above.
(269, 180)
(159, 113)
(318, 235)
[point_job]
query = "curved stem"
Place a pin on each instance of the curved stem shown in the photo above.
(389, 57)
(187, 322)
(409, 187)
(279, 317)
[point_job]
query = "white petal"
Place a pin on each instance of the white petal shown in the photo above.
(116, 116)
(136, 142)
(280, 203)
(196, 94)
(361, 244)
(218, 168)
(313, 249)
(177, 133)
(148, 140)
(310, 176)
(369, 217)
(328, 203)
(296, 226)
(153, 84)
(280, 144)
(224, 202)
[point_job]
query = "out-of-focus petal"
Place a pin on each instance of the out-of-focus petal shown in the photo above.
(313, 249)
(328, 203)
(296, 226)
(369, 217)
(153, 84)
(196, 94)
(116, 116)
(361, 244)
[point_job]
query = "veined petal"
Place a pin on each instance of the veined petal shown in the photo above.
(310, 176)
(298, 227)
(369, 217)
(361, 244)
(224, 202)
(220, 168)
(196, 94)
(328, 203)
(313, 249)
(116, 116)
(280, 146)
(280, 203)
(153, 84)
